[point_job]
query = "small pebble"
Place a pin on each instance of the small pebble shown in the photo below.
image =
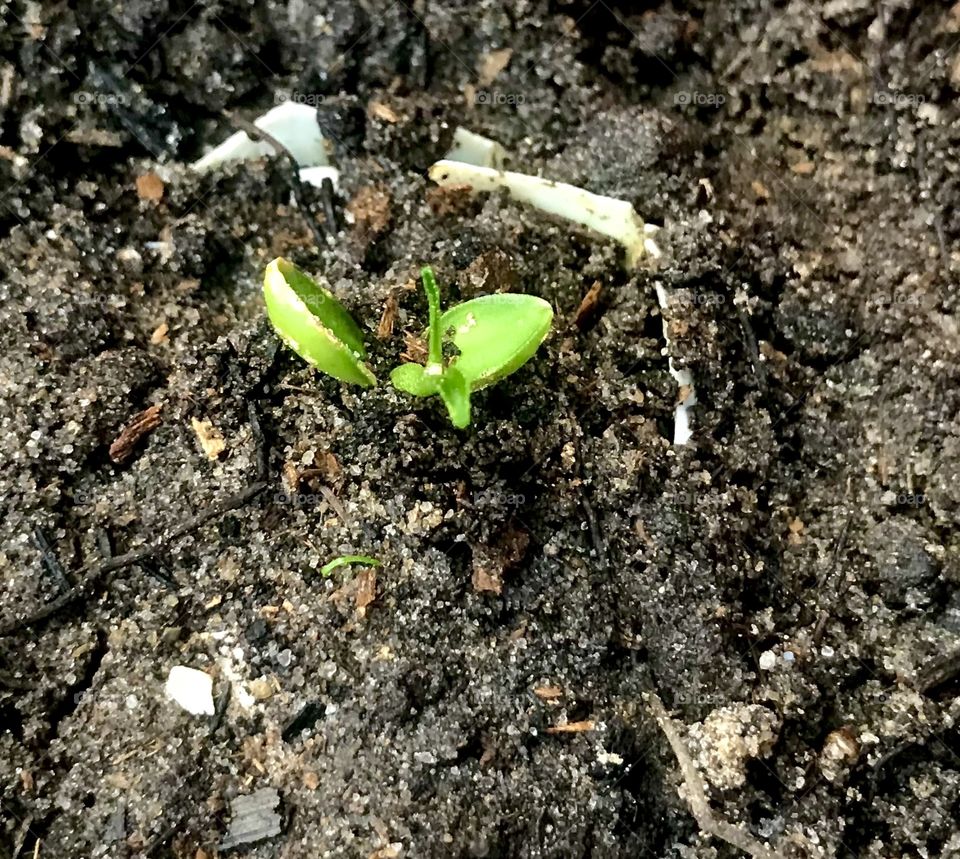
(191, 689)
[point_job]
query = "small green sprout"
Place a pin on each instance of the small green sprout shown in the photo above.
(311, 321)
(486, 338)
(345, 560)
(493, 336)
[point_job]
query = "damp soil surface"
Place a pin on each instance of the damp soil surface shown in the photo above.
(786, 582)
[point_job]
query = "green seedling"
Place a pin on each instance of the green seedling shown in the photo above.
(311, 321)
(488, 337)
(492, 336)
(346, 560)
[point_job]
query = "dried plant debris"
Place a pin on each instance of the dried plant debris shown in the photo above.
(139, 426)
(694, 790)
(254, 817)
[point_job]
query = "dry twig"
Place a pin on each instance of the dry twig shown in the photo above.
(695, 792)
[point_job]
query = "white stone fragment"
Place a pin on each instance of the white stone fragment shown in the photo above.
(191, 689)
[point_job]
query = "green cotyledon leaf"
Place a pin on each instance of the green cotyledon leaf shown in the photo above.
(454, 390)
(312, 322)
(415, 380)
(496, 334)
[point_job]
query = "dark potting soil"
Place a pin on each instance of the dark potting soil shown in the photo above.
(786, 583)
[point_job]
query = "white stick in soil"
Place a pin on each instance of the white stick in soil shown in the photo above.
(471, 148)
(681, 416)
(606, 215)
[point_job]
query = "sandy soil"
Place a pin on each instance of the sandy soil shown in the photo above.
(786, 583)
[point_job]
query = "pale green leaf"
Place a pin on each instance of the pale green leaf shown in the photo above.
(455, 393)
(311, 321)
(414, 379)
(496, 334)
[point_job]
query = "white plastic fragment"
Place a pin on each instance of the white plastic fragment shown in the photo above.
(606, 215)
(191, 689)
(293, 124)
(471, 148)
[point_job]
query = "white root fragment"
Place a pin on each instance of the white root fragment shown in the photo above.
(681, 417)
(471, 148)
(606, 215)
(292, 124)
(694, 790)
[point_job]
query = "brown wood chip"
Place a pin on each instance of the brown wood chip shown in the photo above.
(159, 333)
(572, 727)
(140, 425)
(487, 579)
(210, 438)
(490, 562)
(325, 466)
(492, 64)
(382, 111)
(760, 190)
(366, 589)
(588, 306)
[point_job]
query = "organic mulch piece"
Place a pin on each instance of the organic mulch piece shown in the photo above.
(572, 727)
(255, 818)
(140, 425)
